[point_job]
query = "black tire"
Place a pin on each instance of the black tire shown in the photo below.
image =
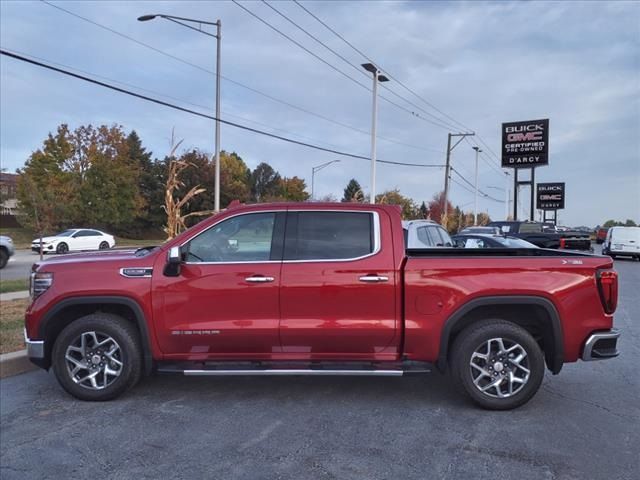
(62, 248)
(104, 246)
(4, 258)
(472, 339)
(129, 353)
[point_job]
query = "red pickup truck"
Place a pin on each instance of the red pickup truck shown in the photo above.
(318, 289)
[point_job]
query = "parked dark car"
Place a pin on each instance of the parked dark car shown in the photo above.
(490, 241)
(535, 233)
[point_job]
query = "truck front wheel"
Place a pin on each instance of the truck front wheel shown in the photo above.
(498, 364)
(97, 357)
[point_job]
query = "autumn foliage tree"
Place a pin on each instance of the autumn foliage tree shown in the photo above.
(88, 176)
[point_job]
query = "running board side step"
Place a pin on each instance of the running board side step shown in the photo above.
(220, 369)
(283, 372)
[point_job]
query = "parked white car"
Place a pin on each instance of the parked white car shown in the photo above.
(76, 239)
(425, 234)
(623, 241)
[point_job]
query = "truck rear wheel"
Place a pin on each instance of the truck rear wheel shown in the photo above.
(498, 364)
(97, 357)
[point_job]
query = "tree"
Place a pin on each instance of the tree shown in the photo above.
(436, 210)
(293, 189)
(234, 179)
(424, 211)
(630, 223)
(394, 197)
(353, 192)
(201, 173)
(265, 183)
(105, 178)
(45, 190)
(152, 180)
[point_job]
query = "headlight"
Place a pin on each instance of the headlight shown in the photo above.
(39, 283)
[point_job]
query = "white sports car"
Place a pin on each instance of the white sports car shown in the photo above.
(76, 239)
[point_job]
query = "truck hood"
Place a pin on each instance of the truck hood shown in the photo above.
(125, 257)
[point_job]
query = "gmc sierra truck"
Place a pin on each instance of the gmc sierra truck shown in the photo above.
(318, 289)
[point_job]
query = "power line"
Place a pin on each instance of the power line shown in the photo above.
(440, 123)
(203, 115)
(486, 195)
(388, 74)
(333, 67)
(234, 82)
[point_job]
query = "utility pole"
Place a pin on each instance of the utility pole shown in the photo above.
(475, 198)
(313, 175)
(217, 172)
(447, 169)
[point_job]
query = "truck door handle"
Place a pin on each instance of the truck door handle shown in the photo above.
(259, 279)
(374, 278)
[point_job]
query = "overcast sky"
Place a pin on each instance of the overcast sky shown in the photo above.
(576, 63)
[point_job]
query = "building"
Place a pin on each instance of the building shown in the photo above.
(8, 193)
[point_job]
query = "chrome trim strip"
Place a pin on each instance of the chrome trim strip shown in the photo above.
(149, 269)
(283, 372)
(35, 348)
(376, 238)
(587, 353)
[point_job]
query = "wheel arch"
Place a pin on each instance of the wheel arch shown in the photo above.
(71, 309)
(538, 315)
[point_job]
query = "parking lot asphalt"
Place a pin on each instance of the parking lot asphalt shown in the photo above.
(19, 265)
(583, 424)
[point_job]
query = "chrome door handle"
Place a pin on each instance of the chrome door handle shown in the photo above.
(374, 278)
(259, 279)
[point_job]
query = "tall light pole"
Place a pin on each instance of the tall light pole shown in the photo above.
(218, 37)
(475, 201)
(317, 169)
(377, 77)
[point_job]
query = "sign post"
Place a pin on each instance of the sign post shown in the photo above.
(550, 197)
(525, 145)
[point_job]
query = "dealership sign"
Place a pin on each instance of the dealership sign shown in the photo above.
(525, 144)
(550, 196)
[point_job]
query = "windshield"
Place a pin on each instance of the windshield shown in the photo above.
(512, 242)
(66, 233)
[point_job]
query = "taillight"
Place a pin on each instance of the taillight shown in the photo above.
(39, 283)
(608, 288)
(563, 243)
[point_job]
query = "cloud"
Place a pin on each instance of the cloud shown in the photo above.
(576, 63)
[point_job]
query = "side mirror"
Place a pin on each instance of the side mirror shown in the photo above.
(172, 268)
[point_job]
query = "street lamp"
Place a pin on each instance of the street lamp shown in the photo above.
(377, 77)
(218, 37)
(317, 169)
(475, 202)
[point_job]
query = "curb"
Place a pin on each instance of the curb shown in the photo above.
(7, 297)
(15, 363)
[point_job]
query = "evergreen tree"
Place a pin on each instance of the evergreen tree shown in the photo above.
(265, 183)
(353, 192)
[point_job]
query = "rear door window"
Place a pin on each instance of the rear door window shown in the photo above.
(329, 235)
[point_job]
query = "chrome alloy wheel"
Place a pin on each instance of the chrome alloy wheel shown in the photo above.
(94, 360)
(499, 367)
